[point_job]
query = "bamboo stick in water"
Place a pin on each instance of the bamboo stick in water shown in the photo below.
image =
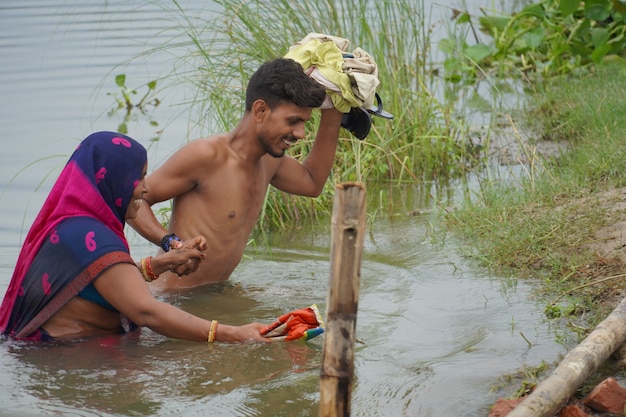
(347, 234)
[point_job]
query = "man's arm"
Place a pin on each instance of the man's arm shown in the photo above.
(175, 177)
(308, 178)
(147, 225)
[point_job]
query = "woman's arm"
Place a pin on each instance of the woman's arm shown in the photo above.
(123, 287)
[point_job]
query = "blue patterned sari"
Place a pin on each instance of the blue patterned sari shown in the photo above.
(77, 235)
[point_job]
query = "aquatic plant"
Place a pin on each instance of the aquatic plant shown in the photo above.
(124, 100)
(545, 38)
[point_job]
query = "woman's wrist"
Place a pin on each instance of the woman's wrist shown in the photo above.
(223, 333)
(159, 264)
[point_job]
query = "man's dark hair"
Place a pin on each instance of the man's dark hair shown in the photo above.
(283, 80)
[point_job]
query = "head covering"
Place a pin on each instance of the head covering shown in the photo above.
(97, 183)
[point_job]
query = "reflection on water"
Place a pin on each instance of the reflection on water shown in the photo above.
(132, 376)
(434, 333)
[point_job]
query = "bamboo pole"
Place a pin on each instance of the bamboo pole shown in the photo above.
(347, 234)
(554, 392)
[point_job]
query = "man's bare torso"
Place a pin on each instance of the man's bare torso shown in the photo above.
(224, 207)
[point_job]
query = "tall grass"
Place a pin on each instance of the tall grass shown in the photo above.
(425, 141)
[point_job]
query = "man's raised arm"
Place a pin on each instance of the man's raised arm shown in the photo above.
(308, 178)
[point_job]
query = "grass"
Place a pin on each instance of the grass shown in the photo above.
(424, 142)
(541, 224)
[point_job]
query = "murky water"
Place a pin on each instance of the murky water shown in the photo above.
(434, 333)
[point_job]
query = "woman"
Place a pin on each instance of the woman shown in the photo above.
(75, 277)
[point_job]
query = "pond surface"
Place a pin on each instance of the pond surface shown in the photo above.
(435, 333)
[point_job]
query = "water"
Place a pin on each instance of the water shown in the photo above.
(434, 332)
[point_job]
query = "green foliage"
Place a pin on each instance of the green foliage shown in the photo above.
(547, 38)
(559, 311)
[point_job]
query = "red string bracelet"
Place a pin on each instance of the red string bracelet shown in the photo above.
(149, 268)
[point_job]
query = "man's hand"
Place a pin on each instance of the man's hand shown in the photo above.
(198, 242)
(188, 264)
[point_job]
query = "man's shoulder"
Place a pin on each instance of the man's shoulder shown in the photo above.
(204, 146)
(207, 141)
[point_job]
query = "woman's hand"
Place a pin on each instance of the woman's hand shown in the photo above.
(192, 264)
(246, 333)
(183, 259)
(198, 242)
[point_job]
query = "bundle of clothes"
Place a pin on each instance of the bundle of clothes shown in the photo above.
(349, 77)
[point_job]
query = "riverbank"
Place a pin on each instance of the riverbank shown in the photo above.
(562, 224)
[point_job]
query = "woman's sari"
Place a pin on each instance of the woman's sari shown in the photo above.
(78, 233)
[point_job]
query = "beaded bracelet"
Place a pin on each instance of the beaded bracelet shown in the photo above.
(212, 331)
(166, 241)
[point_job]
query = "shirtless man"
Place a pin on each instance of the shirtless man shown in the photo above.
(219, 183)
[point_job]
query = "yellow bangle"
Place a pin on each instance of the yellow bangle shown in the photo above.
(212, 331)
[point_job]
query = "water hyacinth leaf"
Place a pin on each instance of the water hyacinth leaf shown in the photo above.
(599, 36)
(120, 80)
(582, 30)
(447, 45)
(618, 39)
(452, 65)
(536, 10)
(600, 52)
(477, 53)
(597, 10)
(534, 37)
(568, 7)
(580, 48)
(494, 24)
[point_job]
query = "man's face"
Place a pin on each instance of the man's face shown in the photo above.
(282, 127)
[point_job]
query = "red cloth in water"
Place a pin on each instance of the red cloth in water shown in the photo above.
(301, 324)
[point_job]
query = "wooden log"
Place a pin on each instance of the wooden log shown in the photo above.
(347, 235)
(554, 392)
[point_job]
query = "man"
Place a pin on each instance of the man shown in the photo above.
(219, 183)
